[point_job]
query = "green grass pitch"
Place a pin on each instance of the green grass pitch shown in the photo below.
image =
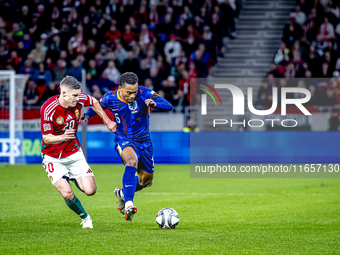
(217, 216)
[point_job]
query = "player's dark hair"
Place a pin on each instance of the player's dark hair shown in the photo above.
(128, 78)
(70, 82)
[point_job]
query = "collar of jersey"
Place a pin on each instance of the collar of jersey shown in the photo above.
(120, 97)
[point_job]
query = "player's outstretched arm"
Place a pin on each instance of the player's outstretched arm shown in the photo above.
(158, 103)
(53, 139)
(90, 112)
(111, 126)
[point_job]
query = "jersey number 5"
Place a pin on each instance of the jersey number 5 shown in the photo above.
(69, 125)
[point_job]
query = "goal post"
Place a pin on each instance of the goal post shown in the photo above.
(84, 110)
(11, 113)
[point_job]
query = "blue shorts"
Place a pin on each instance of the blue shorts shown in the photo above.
(144, 151)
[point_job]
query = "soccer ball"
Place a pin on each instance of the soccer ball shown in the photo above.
(167, 218)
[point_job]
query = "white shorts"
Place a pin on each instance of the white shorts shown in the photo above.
(73, 167)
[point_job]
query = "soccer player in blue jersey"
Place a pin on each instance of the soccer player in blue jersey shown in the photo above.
(130, 105)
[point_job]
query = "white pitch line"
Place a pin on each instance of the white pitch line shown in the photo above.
(189, 194)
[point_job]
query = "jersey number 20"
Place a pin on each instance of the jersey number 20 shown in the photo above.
(69, 125)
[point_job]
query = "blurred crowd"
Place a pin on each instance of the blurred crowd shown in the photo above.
(164, 42)
(309, 52)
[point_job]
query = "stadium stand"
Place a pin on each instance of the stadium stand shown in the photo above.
(165, 42)
(309, 51)
(298, 40)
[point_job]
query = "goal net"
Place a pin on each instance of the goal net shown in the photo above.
(11, 115)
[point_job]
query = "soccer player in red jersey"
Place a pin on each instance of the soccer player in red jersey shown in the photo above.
(62, 156)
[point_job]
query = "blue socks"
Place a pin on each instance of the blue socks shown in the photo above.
(129, 183)
(138, 187)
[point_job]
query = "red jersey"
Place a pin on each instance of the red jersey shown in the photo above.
(55, 119)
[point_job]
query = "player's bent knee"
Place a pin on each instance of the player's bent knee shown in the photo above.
(68, 195)
(132, 162)
(146, 183)
(90, 191)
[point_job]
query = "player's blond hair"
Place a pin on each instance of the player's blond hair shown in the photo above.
(70, 82)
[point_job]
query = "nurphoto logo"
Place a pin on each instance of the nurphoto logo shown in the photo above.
(239, 103)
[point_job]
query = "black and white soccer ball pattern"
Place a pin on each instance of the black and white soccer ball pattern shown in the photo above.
(167, 218)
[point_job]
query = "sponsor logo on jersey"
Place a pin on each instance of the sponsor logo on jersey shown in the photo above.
(133, 106)
(152, 92)
(135, 111)
(47, 127)
(69, 117)
(89, 171)
(77, 113)
(60, 120)
(125, 142)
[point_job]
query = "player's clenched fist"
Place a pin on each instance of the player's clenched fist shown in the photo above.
(69, 134)
(111, 126)
(150, 103)
(84, 117)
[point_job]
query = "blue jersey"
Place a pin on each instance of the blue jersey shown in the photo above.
(132, 118)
